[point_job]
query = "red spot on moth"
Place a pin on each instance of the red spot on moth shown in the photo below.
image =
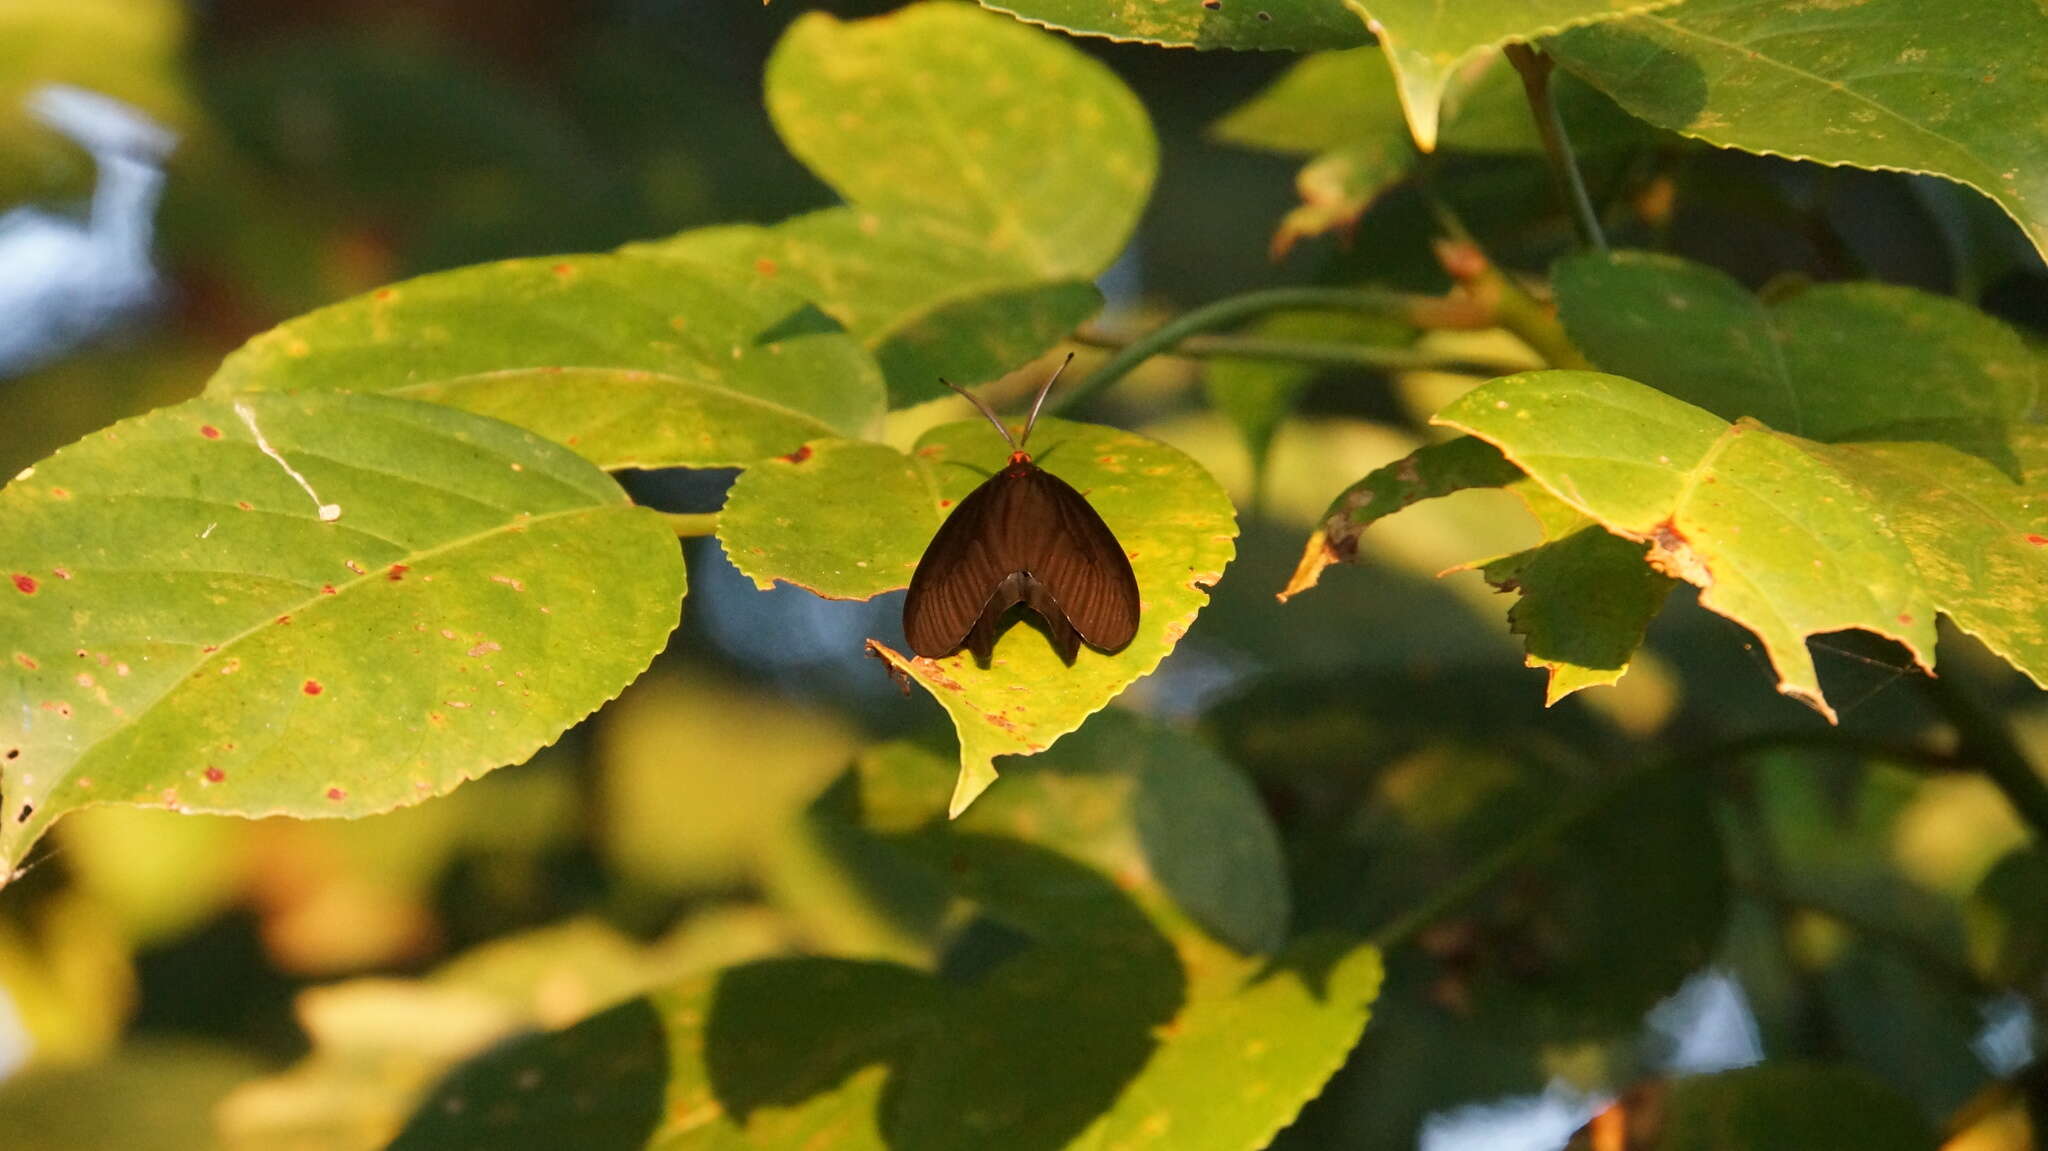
(209, 431)
(313, 687)
(26, 660)
(25, 583)
(61, 573)
(336, 794)
(800, 455)
(245, 505)
(327, 589)
(765, 266)
(215, 775)
(396, 572)
(2038, 541)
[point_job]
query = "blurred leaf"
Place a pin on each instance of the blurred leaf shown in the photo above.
(68, 977)
(127, 49)
(2007, 920)
(1872, 85)
(1782, 1107)
(1427, 43)
(163, 1088)
(850, 1054)
(180, 647)
(896, 114)
(1286, 25)
(631, 362)
(1830, 362)
(1258, 395)
(699, 777)
(923, 305)
(850, 520)
(378, 1044)
(156, 873)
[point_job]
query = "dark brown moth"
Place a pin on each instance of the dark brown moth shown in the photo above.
(1025, 536)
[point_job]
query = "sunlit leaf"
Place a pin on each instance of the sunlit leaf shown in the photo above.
(183, 629)
(850, 521)
(1289, 25)
(924, 306)
(1427, 42)
(995, 134)
(631, 362)
(1873, 84)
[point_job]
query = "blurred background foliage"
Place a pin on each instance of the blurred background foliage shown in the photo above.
(286, 984)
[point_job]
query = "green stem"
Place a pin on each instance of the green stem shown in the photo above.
(1987, 741)
(1535, 70)
(691, 524)
(1233, 310)
(1322, 353)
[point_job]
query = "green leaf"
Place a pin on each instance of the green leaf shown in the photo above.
(1859, 362)
(126, 49)
(1777, 538)
(1779, 1107)
(1188, 1043)
(996, 135)
(924, 306)
(1427, 42)
(164, 1088)
(1874, 85)
(181, 628)
(2007, 920)
(632, 362)
(1585, 603)
(850, 521)
(1829, 362)
(1285, 25)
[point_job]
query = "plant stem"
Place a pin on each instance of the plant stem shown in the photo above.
(691, 524)
(1535, 70)
(1987, 741)
(1236, 309)
(1325, 353)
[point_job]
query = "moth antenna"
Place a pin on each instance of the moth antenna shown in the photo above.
(1038, 403)
(984, 410)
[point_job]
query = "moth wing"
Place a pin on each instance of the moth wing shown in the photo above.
(958, 573)
(1083, 566)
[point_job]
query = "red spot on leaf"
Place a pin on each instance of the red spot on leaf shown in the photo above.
(245, 505)
(209, 431)
(396, 572)
(312, 687)
(336, 794)
(1906, 618)
(800, 455)
(26, 660)
(564, 271)
(765, 266)
(327, 589)
(25, 584)
(62, 493)
(215, 775)
(386, 295)
(2038, 541)
(284, 619)
(945, 503)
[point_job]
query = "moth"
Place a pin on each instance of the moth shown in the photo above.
(1025, 536)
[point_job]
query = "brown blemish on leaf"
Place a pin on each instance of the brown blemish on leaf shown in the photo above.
(27, 809)
(765, 267)
(564, 271)
(1671, 553)
(508, 581)
(26, 660)
(800, 455)
(245, 505)
(327, 589)
(484, 648)
(63, 493)
(209, 431)
(396, 572)
(284, 619)
(61, 573)
(1320, 552)
(353, 566)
